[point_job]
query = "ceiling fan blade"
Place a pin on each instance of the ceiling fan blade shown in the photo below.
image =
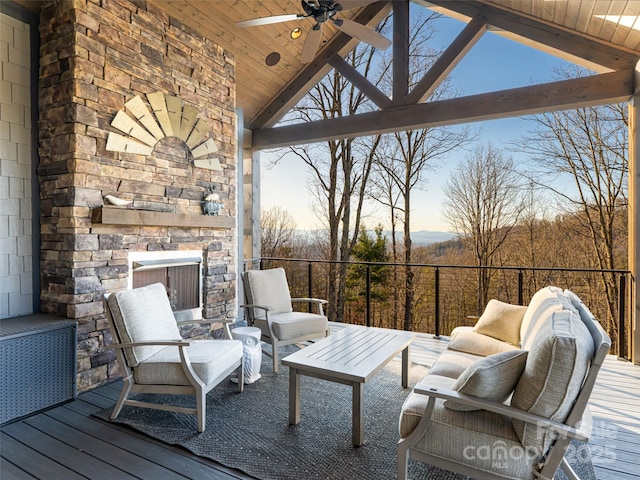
(311, 44)
(363, 33)
(350, 4)
(268, 20)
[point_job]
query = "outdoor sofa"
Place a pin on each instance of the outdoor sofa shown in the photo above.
(509, 394)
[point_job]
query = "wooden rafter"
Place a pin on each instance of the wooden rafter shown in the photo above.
(400, 52)
(594, 90)
(313, 73)
(556, 37)
(448, 61)
(361, 82)
(405, 110)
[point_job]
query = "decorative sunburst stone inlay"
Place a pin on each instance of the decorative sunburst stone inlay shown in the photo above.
(170, 117)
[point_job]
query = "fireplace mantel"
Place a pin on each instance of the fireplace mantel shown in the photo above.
(113, 215)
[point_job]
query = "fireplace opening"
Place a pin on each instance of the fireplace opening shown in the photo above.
(180, 274)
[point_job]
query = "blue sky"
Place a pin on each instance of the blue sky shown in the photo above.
(494, 63)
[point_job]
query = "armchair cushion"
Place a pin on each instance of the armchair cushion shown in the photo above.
(143, 314)
(291, 325)
(502, 321)
(268, 288)
(209, 358)
(558, 361)
(492, 378)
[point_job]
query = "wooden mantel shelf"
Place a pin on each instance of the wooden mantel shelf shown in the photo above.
(113, 215)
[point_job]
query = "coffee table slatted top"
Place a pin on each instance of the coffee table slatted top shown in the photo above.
(354, 354)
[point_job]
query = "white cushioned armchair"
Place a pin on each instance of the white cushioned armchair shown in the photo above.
(269, 307)
(156, 359)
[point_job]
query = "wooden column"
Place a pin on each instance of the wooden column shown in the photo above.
(634, 224)
(240, 209)
(251, 199)
(400, 52)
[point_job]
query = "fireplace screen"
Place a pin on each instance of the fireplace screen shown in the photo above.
(180, 277)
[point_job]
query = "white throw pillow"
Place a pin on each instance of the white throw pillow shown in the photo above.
(502, 321)
(492, 378)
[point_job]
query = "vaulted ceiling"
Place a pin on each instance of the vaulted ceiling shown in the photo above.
(601, 34)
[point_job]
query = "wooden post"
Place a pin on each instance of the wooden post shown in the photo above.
(256, 247)
(634, 224)
(251, 198)
(400, 52)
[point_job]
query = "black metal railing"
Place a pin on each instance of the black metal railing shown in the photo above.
(446, 296)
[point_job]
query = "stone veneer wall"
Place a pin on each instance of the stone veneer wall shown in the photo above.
(95, 56)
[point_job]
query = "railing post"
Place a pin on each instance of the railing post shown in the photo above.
(520, 282)
(622, 324)
(437, 303)
(368, 297)
(261, 264)
(309, 284)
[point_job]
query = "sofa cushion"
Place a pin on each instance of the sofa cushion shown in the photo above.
(464, 339)
(543, 303)
(288, 326)
(415, 405)
(502, 321)
(478, 439)
(492, 378)
(209, 359)
(143, 314)
(451, 363)
(268, 288)
(558, 361)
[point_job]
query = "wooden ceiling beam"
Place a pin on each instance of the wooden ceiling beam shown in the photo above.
(558, 38)
(361, 82)
(400, 63)
(448, 60)
(371, 15)
(593, 90)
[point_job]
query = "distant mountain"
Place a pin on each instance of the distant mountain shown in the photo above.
(427, 237)
(419, 237)
(424, 237)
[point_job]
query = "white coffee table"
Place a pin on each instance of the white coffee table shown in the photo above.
(351, 356)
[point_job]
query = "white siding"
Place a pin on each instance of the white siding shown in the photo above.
(16, 291)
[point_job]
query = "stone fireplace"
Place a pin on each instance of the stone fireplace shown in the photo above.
(99, 62)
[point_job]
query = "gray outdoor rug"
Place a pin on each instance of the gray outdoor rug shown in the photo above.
(249, 431)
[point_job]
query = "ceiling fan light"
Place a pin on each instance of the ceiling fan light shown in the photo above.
(296, 33)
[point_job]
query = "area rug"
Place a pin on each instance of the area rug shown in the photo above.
(249, 431)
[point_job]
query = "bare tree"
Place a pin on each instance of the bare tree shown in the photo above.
(385, 191)
(277, 233)
(340, 168)
(483, 205)
(588, 148)
(406, 157)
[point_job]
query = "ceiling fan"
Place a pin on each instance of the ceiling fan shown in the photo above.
(322, 11)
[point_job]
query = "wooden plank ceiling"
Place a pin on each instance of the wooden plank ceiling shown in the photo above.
(610, 21)
(257, 83)
(603, 34)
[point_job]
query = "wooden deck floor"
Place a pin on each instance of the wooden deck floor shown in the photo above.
(66, 442)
